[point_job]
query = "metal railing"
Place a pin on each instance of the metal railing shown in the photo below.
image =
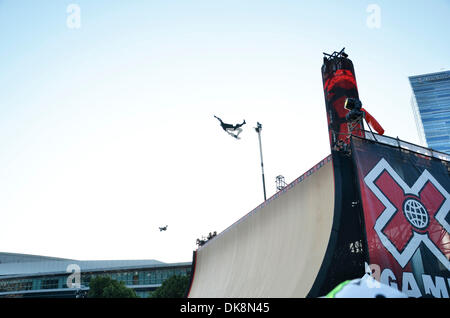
(396, 142)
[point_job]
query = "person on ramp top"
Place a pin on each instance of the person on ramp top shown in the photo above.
(230, 129)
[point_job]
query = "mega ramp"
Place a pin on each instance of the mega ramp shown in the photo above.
(276, 250)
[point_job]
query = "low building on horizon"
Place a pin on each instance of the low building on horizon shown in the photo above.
(34, 276)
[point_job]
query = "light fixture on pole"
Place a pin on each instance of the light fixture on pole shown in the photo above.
(258, 129)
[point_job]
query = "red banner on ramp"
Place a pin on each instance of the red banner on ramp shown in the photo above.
(406, 207)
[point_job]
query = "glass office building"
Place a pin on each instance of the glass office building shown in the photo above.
(33, 276)
(431, 106)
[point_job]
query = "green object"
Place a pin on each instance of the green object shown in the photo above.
(337, 289)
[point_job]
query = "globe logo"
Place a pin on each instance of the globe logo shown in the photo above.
(415, 213)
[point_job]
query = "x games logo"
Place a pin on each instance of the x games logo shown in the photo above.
(411, 215)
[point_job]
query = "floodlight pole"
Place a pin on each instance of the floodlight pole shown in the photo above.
(258, 129)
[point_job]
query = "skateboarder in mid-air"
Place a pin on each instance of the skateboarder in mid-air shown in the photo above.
(231, 128)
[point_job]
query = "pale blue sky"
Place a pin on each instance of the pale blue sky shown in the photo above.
(107, 131)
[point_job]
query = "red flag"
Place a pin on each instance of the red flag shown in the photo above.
(372, 122)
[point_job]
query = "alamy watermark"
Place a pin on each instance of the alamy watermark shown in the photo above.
(373, 21)
(73, 20)
(74, 279)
